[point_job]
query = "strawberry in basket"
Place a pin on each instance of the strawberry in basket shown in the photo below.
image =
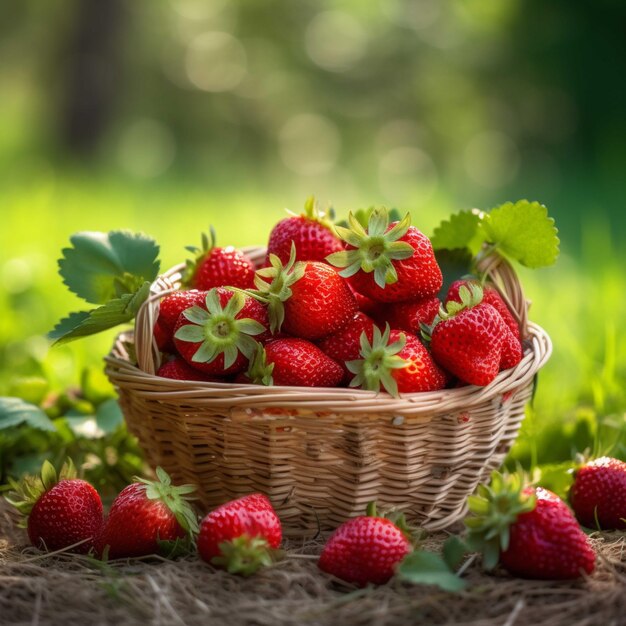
(311, 233)
(220, 336)
(471, 340)
(170, 309)
(409, 315)
(217, 267)
(387, 262)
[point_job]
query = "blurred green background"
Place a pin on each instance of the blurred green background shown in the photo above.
(167, 115)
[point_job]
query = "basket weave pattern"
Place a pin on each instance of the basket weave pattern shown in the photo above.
(322, 454)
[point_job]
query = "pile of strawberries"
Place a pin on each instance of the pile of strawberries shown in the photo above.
(527, 530)
(334, 306)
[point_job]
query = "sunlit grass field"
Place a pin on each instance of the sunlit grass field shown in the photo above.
(579, 301)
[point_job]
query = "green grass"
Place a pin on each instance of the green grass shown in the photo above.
(580, 301)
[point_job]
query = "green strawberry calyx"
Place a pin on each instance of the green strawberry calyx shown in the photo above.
(275, 291)
(494, 508)
(219, 330)
(200, 253)
(377, 360)
(260, 371)
(175, 497)
(313, 213)
(244, 555)
(373, 249)
(26, 493)
(471, 295)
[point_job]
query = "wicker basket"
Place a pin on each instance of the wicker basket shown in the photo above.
(322, 454)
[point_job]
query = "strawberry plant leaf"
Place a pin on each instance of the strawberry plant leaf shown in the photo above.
(524, 232)
(460, 230)
(427, 568)
(102, 266)
(109, 416)
(454, 550)
(15, 411)
(114, 312)
(454, 264)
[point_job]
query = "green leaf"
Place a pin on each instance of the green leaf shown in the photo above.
(524, 232)
(114, 312)
(102, 266)
(454, 265)
(427, 568)
(109, 416)
(454, 550)
(460, 230)
(14, 411)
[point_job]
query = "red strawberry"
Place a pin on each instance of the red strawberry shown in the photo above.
(300, 363)
(306, 299)
(311, 233)
(407, 316)
(345, 344)
(365, 549)
(220, 336)
(170, 309)
(240, 534)
(144, 514)
(472, 341)
(396, 360)
(531, 531)
(598, 495)
(388, 262)
(365, 304)
(490, 296)
(218, 267)
(59, 511)
(178, 369)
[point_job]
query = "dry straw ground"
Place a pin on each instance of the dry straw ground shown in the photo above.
(67, 590)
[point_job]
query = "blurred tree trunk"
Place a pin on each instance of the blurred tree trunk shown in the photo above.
(92, 74)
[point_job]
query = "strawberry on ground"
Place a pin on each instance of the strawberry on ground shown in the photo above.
(58, 511)
(306, 299)
(311, 233)
(530, 531)
(396, 360)
(144, 514)
(219, 336)
(170, 309)
(407, 316)
(598, 494)
(240, 535)
(345, 344)
(178, 369)
(218, 267)
(471, 340)
(365, 549)
(388, 262)
(490, 296)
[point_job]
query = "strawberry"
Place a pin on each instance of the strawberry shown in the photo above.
(178, 369)
(144, 514)
(58, 511)
(530, 531)
(170, 309)
(396, 360)
(407, 316)
(345, 344)
(365, 549)
(365, 304)
(598, 494)
(311, 233)
(471, 340)
(298, 363)
(217, 267)
(219, 336)
(240, 534)
(490, 296)
(388, 262)
(307, 299)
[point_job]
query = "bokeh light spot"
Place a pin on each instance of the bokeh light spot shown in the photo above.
(492, 159)
(147, 149)
(309, 144)
(408, 174)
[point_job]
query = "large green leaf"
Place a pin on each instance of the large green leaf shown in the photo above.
(427, 568)
(524, 232)
(102, 266)
(109, 415)
(114, 312)
(460, 230)
(15, 411)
